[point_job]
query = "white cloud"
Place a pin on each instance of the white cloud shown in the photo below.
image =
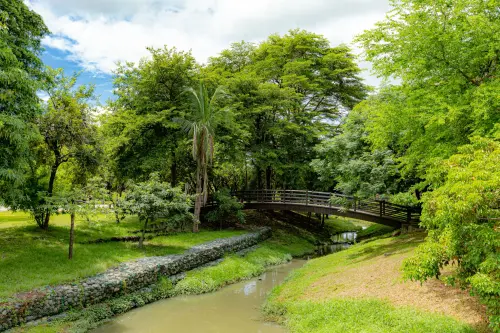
(98, 33)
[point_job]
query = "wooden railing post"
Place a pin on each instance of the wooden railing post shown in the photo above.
(307, 197)
(380, 204)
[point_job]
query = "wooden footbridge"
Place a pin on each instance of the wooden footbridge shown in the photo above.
(378, 211)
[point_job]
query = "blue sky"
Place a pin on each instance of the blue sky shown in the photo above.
(93, 35)
(62, 59)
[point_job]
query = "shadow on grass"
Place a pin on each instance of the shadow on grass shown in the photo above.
(400, 244)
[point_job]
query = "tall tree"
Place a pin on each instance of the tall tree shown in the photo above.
(141, 134)
(69, 133)
(288, 91)
(201, 126)
(446, 55)
(21, 74)
(348, 164)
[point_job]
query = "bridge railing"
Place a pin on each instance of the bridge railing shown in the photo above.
(338, 201)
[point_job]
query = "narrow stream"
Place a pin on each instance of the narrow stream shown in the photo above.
(235, 308)
(340, 242)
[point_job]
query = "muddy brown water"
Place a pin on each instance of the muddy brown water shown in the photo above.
(235, 308)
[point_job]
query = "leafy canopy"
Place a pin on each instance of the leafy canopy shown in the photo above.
(21, 74)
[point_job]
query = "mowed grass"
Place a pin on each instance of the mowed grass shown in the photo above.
(30, 257)
(337, 225)
(361, 290)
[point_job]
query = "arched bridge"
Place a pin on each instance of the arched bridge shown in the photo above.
(378, 211)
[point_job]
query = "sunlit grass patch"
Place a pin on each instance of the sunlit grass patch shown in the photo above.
(367, 315)
(361, 290)
(31, 257)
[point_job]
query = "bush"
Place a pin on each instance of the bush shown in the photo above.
(404, 199)
(228, 207)
(463, 218)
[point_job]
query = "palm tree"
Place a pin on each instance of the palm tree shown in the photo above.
(202, 129)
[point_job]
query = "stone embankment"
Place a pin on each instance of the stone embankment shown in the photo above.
(126, 278)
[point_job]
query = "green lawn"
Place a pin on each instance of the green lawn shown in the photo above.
(30, 257)
(337, 225)
(374, 231)
(361, 290)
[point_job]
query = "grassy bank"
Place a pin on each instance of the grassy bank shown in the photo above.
(361, 290)
(30, 257)
(233, 268)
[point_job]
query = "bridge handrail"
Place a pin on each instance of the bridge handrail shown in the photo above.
(377, 207)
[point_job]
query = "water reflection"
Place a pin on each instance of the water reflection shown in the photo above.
(250, 288)
(339, 242)
(345, 237)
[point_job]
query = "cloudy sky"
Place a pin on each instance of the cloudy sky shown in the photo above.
(92, 35)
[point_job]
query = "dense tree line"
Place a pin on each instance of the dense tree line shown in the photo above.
(290, 112)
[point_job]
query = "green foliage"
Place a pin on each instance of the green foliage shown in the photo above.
(141, 134)
(201, 124)
(462, 216)
(445, 54)
(286, 93)
(68, 136)
(227, 207)
(152, 199)
(404, 199)
(337, 225)
(21, 32)
(347, 162)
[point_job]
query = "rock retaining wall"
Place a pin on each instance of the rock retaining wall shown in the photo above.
(126, 278)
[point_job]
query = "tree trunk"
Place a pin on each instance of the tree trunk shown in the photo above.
(173, 171)
(199, 198)
(259, 178)
(117, 216)
(50, 190)
(246, 174)
(71, 236)
(143, 234)
(269, 172)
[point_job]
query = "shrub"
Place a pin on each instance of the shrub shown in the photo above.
(462, 215)
(227, 208)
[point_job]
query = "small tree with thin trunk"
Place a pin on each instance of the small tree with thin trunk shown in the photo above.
(154, 199)
(201, 126)
(80, 200)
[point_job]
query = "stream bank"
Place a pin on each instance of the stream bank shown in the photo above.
(237, 305)
(233, 268)
(127, 278)
(361, 289)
